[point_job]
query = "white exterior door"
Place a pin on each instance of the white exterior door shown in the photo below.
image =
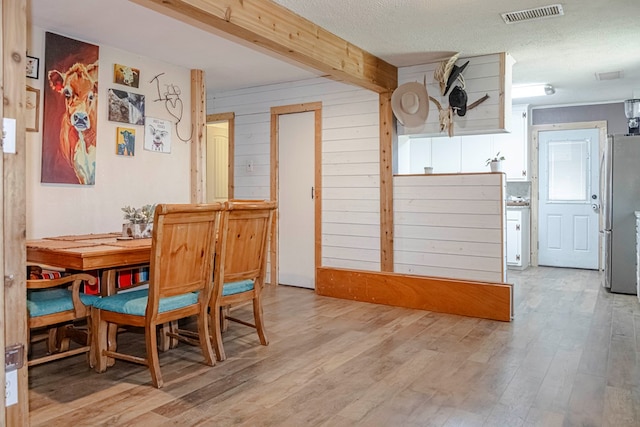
(569, 198)
(296, 240)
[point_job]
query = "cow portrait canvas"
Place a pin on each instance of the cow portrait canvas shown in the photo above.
(126, 107)
(70, 111)
(125, 141)
(125, 75)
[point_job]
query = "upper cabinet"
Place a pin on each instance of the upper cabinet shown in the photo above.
(514, 145)
(469, 153)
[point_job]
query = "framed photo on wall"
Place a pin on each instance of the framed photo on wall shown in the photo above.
(32, 109)
(33, 67)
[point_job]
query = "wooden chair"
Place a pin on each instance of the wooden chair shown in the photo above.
(179, 286)
(54, 305)
(240, 265)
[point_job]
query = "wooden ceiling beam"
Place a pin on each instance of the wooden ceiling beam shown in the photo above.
(268, 25)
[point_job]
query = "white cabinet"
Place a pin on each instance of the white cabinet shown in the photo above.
(514, 146)
(518, 238)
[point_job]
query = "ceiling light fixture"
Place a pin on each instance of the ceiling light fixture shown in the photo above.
(532, 90)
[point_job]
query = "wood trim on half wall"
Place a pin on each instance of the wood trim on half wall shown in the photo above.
(463, 297)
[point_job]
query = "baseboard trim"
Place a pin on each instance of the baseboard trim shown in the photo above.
(464, 297)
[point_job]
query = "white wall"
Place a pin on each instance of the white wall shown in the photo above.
(350, 160)
(148, 177)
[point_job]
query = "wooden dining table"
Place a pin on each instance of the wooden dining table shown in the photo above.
(107, 252)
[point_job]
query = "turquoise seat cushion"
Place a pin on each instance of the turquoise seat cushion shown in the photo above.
(42, 302)
(135, 302)
(233, 288)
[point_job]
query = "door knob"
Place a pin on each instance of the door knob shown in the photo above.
(595, 207)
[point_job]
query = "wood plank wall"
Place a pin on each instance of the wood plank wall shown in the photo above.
(350, 160)
(487, 74)
(450, 225)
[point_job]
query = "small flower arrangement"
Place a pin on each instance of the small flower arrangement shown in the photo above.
(497, 158)
(143, 215)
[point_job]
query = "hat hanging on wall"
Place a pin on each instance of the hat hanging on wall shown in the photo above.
(441, 74)
(410, 104)
(453, 76)
(458, 101)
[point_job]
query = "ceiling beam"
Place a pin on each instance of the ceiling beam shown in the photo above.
(266, 24)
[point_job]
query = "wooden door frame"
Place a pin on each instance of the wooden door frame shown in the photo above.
(316, 107)
(535, 130)
(14, 39)
(230, 118)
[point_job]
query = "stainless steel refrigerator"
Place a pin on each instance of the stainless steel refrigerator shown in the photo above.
(620, 178)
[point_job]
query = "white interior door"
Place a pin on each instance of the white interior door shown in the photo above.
(569, 198)
(296, 248)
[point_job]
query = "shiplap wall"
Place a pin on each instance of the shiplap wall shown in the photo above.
(482, 76)
(350, 160)
(450, 226)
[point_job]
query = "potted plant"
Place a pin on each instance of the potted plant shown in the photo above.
(139, 221)
(495, 162)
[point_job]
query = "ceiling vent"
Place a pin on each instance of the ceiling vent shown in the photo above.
(533, 14)
(612, 75)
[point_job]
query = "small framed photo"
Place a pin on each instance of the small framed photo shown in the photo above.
(33, 67)
(32, 109)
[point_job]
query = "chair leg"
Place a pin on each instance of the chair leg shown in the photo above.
(62, 341)
(152, 355)
(224, 322)
(216, 333)
(52, 341)
(205, 342)
(99, 336)
(257, 314)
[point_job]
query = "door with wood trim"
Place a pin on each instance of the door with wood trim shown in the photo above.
(296, 199)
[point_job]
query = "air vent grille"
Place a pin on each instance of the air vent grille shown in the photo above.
(612, 75)
(533, 14)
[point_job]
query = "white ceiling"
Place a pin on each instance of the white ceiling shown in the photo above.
(594, 36)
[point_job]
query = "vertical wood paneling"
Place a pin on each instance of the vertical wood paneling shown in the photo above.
(350, 128)
(14, 200)
(450, 226)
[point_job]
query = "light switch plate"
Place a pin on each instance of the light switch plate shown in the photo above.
(9, 135)
(11, 388)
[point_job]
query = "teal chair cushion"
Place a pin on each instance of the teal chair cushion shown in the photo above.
(135, 302)
(42, 302)
(237, 287)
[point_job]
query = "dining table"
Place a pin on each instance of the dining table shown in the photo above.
(107, 252)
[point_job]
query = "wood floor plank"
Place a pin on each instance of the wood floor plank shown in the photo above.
(570, 357)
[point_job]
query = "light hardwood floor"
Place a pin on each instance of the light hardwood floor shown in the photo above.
(569, 358)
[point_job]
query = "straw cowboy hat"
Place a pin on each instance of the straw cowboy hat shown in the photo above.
(410, 104)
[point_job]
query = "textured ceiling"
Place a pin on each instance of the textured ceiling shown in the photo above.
(594, 36)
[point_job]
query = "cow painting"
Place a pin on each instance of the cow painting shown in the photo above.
(79, 88)
(126, 141)
(70, 111)
(125, 75)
